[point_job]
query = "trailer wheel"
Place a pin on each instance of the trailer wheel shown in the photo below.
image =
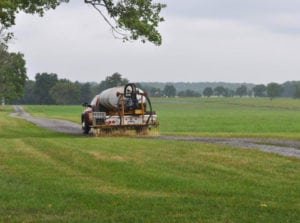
(85, 125)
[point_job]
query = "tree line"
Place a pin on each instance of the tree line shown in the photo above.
(47, 88)
(272, 90)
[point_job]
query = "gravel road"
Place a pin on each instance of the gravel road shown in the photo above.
(280, 146)
(283, 147)
(51, 124)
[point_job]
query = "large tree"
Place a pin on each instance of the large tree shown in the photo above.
(29, 96)
(12, 70)
(4, 38)
(12, 75)
(43, 83)
(128, 19)
(64, 92)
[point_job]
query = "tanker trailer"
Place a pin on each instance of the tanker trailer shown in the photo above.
(119, 109)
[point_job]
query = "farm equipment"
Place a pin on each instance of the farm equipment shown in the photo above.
(118, 110)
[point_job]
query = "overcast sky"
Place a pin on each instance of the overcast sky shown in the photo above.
(256, 41)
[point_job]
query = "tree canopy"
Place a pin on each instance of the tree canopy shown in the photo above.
(296, 93)
(241, 91)
(12, 70)
(9, 8)
(128, 19)
(12, 75)
(208, 91)
(259, 90)
(169, 90)
(273, 90)
(65, 92)
(220, 91)
(112, 81)
(43, 84)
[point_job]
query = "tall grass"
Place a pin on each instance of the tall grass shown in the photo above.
(51, 177)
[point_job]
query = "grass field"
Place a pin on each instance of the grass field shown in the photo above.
(258, 117)
(52, 177)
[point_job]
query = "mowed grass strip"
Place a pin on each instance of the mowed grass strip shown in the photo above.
(234, 117)
(51, 177)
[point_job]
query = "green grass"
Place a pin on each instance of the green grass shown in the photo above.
(234, 116)
(238, 117)
(51, 177)
(67, 112)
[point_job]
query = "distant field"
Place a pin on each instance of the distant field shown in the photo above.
(51, 177)
(258, 117)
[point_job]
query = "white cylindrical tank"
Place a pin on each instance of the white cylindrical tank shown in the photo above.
(109, 99)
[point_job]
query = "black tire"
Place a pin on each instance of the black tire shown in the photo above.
(85, 125)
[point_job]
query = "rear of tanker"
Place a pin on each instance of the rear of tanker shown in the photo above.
(120, 110)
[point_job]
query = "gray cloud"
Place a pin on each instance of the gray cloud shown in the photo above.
(234, 41)
(274, 15)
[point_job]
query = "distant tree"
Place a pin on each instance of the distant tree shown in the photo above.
(85, 92)
(273, 90)
(226, 92)
(189, 93)
(289, 88)
(112, 81)
(241, 91)
(65, 93)
(43, 83)
(208, 91)
(169, 90)
(230, 93)
(219, 91)
(138, 85)
(155, 92)
(12, 75)
(296, 91)
(259, 90)
(182, 94)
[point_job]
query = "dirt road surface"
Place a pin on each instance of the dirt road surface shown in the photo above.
(283, 147)
(57, 125)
